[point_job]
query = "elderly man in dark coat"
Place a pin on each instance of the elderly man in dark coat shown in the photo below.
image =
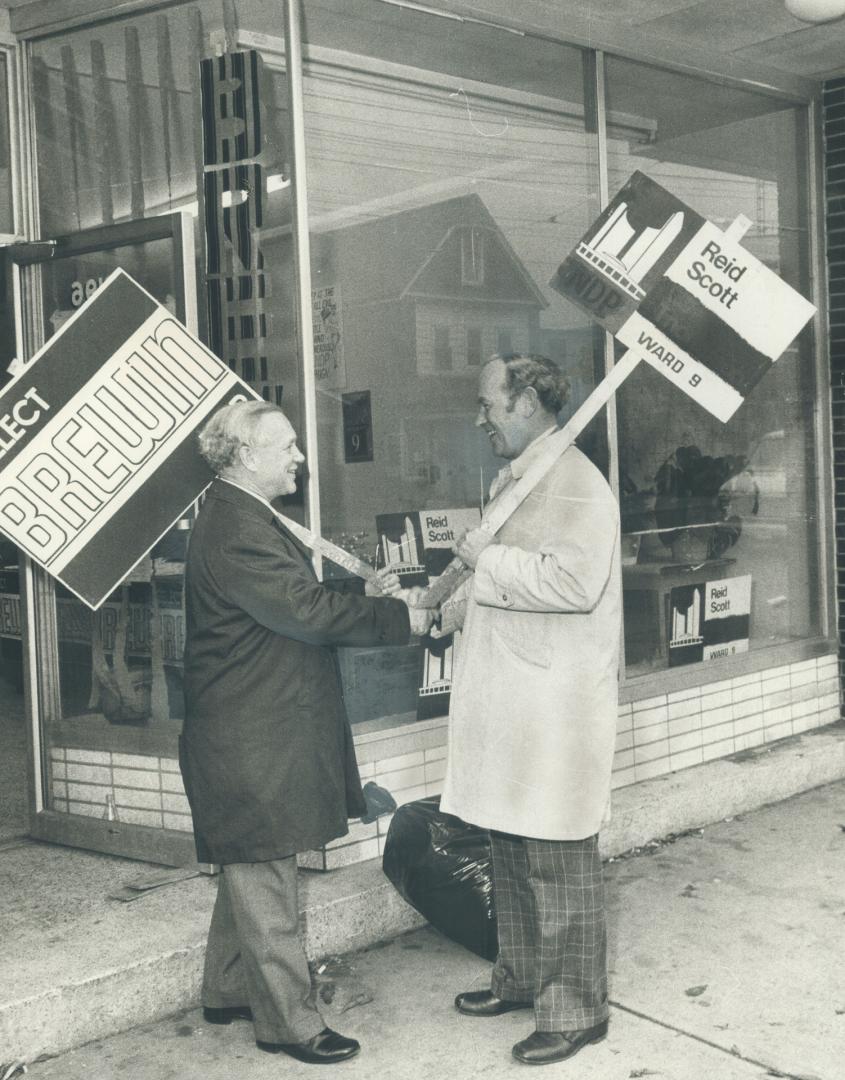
(266, 751)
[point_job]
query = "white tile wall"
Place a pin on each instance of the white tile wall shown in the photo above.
(137, 798)
(656, 735)
(140, 778)
(180, 822)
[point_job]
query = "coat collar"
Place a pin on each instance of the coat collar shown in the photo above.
(530, 453)
(222, 491)
(515, 469)
(245, 502)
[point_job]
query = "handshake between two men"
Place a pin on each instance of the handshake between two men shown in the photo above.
(427, 620)
(532, 719)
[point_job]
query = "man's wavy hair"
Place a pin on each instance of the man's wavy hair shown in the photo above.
(530, 370)
(230, 428)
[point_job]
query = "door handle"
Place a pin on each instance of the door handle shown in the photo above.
(24, 252)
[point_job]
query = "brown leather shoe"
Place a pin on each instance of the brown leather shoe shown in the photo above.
(227, 1014)
(325, 1048)
(544, 1047)
(485, 1003)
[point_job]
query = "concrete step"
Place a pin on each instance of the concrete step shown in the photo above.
(77, 966)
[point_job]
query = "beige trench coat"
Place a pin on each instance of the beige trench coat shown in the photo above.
(534, 699)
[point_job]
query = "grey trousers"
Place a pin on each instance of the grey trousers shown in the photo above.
(549, 901)
(254, 955)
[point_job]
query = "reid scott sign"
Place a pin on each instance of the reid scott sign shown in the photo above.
(683, 294)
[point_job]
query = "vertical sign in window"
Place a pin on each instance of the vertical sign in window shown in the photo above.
(235, 145)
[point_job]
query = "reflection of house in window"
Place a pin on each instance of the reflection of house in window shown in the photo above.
(504, 342)
(442, 349)
(472, 256)
(473, 346)
(405, 279)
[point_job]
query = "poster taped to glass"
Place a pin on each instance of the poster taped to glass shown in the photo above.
(329, 363)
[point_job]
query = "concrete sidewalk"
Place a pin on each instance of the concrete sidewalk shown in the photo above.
(726, 963)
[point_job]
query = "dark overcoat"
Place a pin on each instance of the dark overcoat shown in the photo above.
(266, 750)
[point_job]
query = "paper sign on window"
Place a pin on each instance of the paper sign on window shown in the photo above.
(709, 620)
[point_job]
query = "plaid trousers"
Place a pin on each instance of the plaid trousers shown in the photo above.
(549, 900)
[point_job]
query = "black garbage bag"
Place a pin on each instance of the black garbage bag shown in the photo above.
(441, 867)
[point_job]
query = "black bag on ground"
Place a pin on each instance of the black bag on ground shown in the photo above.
(441, 866)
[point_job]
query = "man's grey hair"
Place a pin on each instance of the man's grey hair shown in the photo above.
(530, 370)
(230, 428)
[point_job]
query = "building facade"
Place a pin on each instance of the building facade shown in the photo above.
(355, 207)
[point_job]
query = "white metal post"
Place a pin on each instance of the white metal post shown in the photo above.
(302, 248)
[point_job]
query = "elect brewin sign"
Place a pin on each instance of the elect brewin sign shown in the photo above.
(97, 450)
(682, 294)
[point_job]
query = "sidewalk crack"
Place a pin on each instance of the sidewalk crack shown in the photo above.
(771, 1070)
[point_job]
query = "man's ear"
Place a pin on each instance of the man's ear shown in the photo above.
(245, 456)
(528, 402)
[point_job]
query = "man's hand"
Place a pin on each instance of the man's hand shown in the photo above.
(421, 618)
(469, 545)
(449, 619)
(386, 583)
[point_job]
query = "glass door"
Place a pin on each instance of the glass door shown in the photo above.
(105, 687)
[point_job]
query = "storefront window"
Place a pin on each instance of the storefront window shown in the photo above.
(714, 511)
(450, 168)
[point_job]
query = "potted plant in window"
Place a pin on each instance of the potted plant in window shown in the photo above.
(636, 506)
(697, 498)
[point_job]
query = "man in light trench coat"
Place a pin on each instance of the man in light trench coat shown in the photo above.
(266, 751)
(533, 716)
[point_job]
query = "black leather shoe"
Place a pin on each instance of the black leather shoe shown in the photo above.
(326, 1048)
(485, 1003)
(544, 1047)
(227, 1014)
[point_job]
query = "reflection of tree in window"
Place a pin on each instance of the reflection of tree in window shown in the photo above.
(473, 346)
(472, 257)
(504, 342)
(442, 349)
